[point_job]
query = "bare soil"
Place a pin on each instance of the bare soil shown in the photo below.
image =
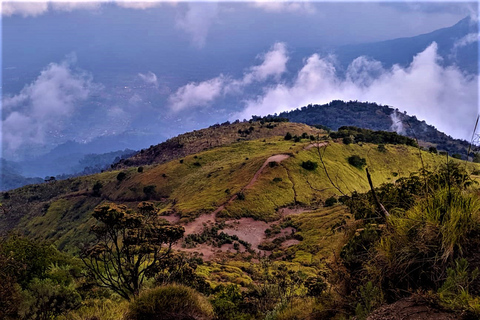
(412, 309)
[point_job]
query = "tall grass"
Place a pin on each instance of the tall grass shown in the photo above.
(423, 241)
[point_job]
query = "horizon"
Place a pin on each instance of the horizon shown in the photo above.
(150, 71)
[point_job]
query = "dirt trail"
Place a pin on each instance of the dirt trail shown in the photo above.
(196, 226)
(247, 229)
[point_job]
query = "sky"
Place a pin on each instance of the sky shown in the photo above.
(87, 70)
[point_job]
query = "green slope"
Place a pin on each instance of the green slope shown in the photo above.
(201, 183)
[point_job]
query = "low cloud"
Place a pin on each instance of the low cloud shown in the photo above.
(42, 108)
(25, 9)
(274, 64)
(204, 93)
(149, 78)
(197, 19)
(443, 96)
(197, 94)
(466, 40)
(276, 6)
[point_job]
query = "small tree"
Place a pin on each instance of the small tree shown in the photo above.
(128, 246)
(288, 136)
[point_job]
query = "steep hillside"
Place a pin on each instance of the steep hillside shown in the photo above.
(256, 181)
(376, 117)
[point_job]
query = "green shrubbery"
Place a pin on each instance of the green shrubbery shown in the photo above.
(357, 161)
(171, 302)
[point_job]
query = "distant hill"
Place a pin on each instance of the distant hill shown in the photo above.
(401, 51)
(61, 166)
(376, 117)
(205, 139)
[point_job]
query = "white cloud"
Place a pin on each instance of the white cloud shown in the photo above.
(197, 94)
(70, 6)
(466, 40)
(274, 64)
(42, 107)
(203, 93)
(141, 5)
(25, 9)
(149, 78)
(284, 6)
(443, 96)
(197, 20)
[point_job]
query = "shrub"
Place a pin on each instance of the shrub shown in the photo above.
(172, 302)
(433, 150)
(149, 191)
(121, 176)
(357, 161)
(288, 136)
(381, 148)
(297, 139)
(455, 291)
(457, 156)
(330, 201)
(46, 299)
(140, 169)
(240, 196)
(309, 165)
(97, 187)
(347, 140)
(272, 164)
(277, 179)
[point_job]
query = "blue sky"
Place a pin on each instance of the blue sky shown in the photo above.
(83, 70)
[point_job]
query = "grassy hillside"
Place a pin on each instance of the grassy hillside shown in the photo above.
(214, 136)
(198, 184)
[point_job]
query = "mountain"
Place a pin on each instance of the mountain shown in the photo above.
(57, 164)
(401, 51)
(376, 117)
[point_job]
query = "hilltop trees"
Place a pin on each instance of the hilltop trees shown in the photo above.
(128, 246)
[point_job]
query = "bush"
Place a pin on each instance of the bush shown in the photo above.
(121, 176)
(140, 169)
(347, 140)
(381, 148)
(357, 161)
(309, 165)
(97, 187)
(330, 201)
(288, 136)
(172, 302)
(46, 299)
(149, 191)
(433, 150)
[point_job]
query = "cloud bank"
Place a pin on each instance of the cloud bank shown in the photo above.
(443, 96)
(42, 108)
